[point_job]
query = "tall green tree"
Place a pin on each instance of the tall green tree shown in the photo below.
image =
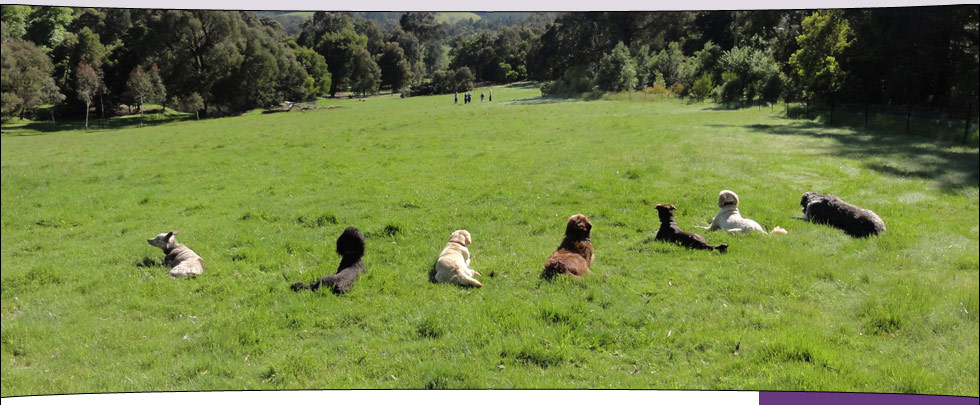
(48, 25)
(816, 65)
(318, 73)
(616, 70)
(145, 86)
(395, 69)
(423, 25)
(365, 73)
(26, 81)
(16, 18)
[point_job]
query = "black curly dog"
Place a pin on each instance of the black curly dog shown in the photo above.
(670, 232)
(828, 209)
(350, 247)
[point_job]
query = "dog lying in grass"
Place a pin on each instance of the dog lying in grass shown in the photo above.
(830, 210)
(574, 254)
(350, 247)
(670, 232)
(729, 219)
(453, 265)
(179, 258)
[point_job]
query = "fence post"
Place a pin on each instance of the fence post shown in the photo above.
(866, 114)
(966, 128)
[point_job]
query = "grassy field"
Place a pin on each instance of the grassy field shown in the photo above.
(88, 307)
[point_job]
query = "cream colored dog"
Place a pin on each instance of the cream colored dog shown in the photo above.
(181, 260)
(730, 220)
(453, 265)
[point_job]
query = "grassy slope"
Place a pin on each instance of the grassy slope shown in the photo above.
(86, 306)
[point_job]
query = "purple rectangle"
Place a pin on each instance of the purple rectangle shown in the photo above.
(842, 398)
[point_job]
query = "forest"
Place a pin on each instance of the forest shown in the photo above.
(218, 63)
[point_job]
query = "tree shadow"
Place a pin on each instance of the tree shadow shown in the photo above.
(951, 166)
(543, 100)
(149, 119)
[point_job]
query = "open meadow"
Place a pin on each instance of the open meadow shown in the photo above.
(87, 305)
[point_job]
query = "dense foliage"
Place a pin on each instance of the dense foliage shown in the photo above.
(231, 61)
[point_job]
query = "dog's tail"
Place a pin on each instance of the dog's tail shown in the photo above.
(722, 247)
(299, 286)
(778, 230)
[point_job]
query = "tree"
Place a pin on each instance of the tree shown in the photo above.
(339, 50)
(395, 70)
(365, 73)
(89, 84)
(26, 78)
(463, 79)
(192, 103)
(669, 62)
(616, 70)
(702, 87)
(145, 87)
(16, 18)
(826, 35)
(48, 25)
(318, 73)
(423, 25)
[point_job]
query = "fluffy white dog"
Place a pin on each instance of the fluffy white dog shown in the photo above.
(453, 265)
(731, 220)
(180, 259)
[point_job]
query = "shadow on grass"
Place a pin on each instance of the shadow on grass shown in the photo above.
(951, 166)
(128, 121)
(543, 100)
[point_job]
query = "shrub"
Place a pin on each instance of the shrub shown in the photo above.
(702, 87)
(575, 81)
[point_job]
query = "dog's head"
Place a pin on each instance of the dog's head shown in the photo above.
(461, 237)
(578, 227)
(727, 198)
(809, 197)
(666, 212)
(351, 242)
(164, 240)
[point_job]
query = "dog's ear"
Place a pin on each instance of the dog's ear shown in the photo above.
(671, 208)
(174, 233)
(469, 239)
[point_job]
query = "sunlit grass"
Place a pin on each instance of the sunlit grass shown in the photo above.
(87, 306)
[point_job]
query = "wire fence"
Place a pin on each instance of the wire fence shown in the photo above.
(952, 124)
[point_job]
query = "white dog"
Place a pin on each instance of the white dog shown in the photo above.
(730, 220)
(453, 265)
(181, 260)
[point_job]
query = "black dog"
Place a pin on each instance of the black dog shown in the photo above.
(830, 210)
(670, 232)
(350, 247)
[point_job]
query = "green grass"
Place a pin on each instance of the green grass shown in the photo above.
(87, 306)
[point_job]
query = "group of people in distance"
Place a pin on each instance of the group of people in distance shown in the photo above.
(468, 98)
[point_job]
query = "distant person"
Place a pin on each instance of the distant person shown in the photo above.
(455, 98)
(490, 96)
(481, 96)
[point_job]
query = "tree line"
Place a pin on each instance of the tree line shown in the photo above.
(225, 62)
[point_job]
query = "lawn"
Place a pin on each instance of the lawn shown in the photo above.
(88, 307)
